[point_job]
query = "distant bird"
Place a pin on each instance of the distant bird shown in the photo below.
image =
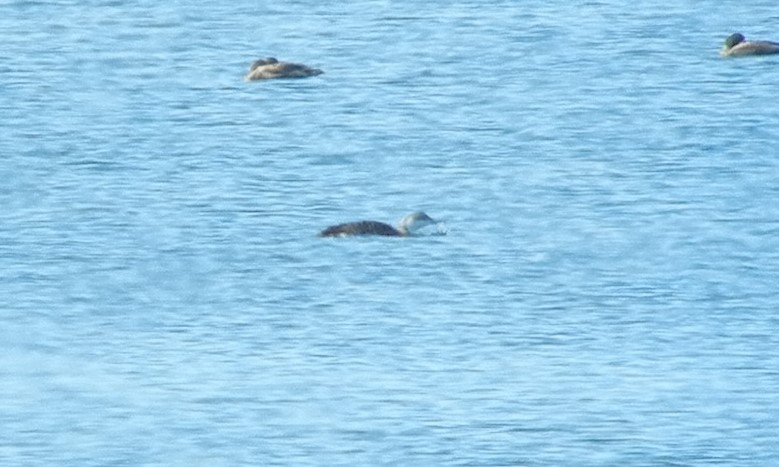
(408, 225)
(270, 68)
(736, 45)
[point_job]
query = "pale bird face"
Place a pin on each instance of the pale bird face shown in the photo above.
(416, 221)
(263, 62)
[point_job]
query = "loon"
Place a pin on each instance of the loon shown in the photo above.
(408, 225)
(269, 68)
(736, 45)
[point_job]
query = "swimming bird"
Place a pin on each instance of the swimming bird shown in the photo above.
(407, 226)
(736, 45)
(270, 68)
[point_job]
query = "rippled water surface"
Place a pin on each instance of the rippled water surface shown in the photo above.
(606, 294)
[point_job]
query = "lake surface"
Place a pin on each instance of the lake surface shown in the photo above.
(606, 293)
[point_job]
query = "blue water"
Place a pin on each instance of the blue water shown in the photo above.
(606, 293)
